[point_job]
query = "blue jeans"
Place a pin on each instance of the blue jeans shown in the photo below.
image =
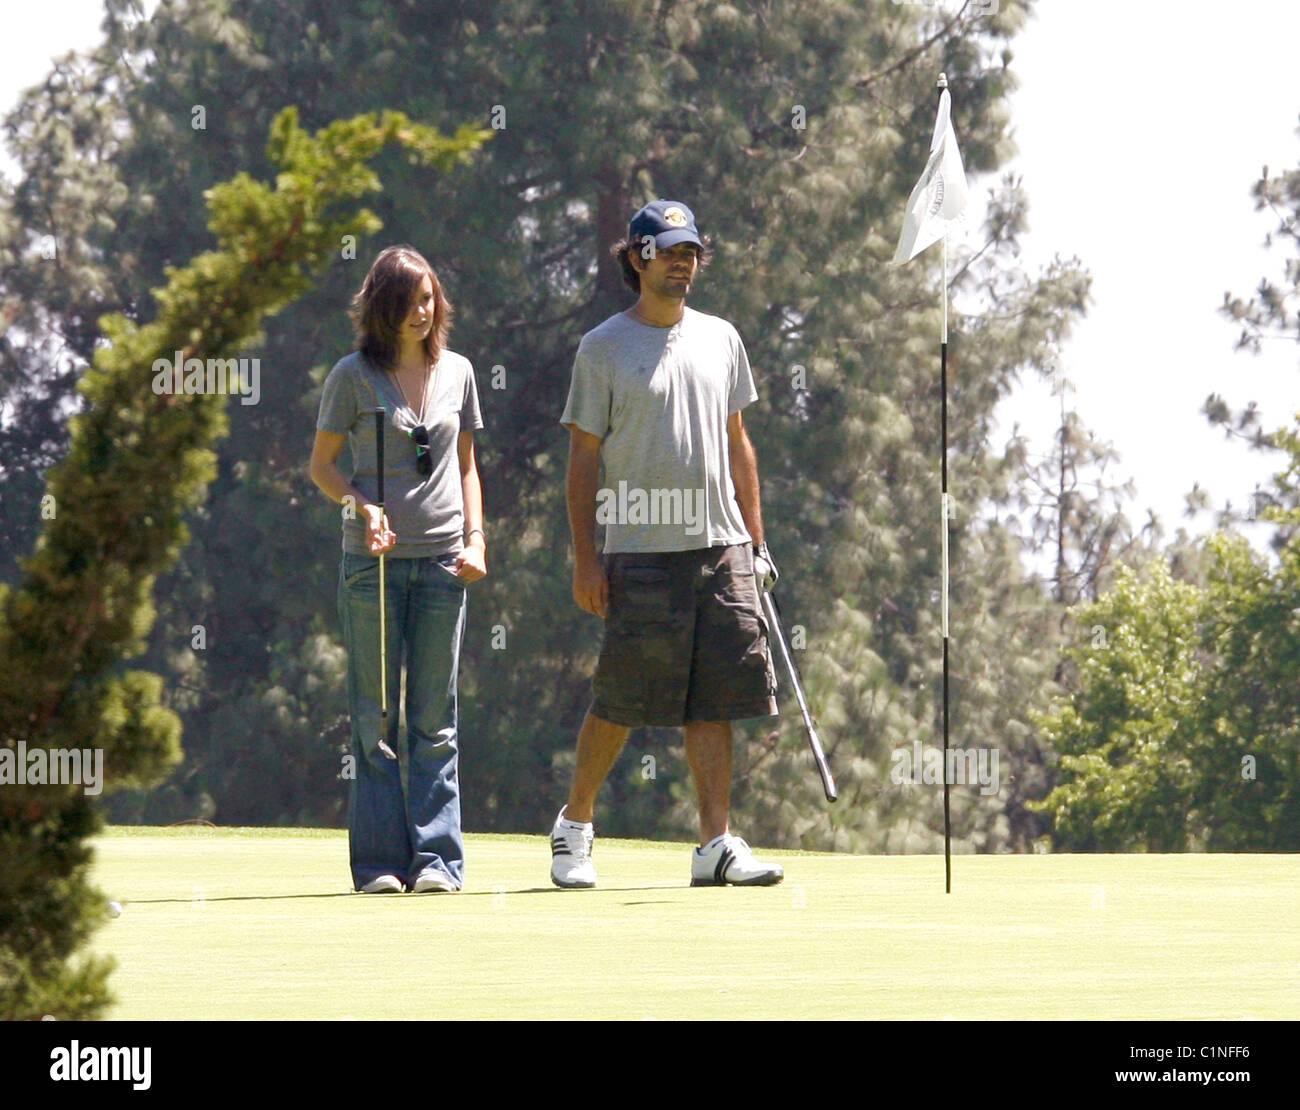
(388, 833)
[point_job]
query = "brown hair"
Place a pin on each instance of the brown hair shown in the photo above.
(631, 275)
(384, 301)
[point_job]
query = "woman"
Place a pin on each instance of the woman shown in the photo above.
(432, 536)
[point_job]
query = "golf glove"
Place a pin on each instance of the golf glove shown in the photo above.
(765, 567)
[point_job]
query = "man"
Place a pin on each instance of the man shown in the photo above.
(656, 398)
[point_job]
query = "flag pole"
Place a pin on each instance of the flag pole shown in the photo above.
(944, 513)
(939, 198)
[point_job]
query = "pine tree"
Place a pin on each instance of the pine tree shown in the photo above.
(796, 133)
(1182, 729)
(1271, 312)
(140, 458)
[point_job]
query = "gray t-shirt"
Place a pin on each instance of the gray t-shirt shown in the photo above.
(660, 398)
(428, 514)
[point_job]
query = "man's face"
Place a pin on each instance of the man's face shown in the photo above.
(670, 272)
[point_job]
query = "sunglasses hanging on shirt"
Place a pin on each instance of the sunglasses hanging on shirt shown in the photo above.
(423, 460)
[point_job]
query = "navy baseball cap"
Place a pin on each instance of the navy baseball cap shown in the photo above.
(669, 221)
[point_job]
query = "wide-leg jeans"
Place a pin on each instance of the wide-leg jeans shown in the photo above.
(389, 833)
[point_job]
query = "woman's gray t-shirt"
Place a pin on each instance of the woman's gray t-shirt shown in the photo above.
(428, 514)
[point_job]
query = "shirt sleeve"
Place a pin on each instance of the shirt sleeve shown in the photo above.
(338, 401)
(742, 379)
(470, 416)
(588, 406)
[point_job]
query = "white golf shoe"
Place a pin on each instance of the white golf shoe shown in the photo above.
(434, 882)
(385, 884)
(727, 860)
(571, 865)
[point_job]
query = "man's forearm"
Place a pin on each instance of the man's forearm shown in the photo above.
(580, 492)
(744, 476)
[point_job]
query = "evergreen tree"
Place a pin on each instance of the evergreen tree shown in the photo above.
(140, 457)
(1271, 312)
(1183, 730)
(796, 132)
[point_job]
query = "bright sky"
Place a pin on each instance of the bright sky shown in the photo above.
(1142, 127)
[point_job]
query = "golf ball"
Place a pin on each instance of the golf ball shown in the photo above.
(115, 909)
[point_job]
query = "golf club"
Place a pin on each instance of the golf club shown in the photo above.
(809, 725)
(384, 747)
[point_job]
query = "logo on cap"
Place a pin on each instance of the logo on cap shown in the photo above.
(675, 216)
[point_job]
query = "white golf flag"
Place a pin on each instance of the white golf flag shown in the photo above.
(940, 195)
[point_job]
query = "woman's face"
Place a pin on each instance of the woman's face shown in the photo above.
(420, 318)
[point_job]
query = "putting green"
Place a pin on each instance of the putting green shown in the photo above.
(260, 923)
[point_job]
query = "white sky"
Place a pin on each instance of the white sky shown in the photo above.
(1141, 127)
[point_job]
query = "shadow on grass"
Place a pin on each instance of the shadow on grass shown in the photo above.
(428, 894)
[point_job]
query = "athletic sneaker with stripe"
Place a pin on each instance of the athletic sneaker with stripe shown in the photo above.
(726, 860)
(571, 865)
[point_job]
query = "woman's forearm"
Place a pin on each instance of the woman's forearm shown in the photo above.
(329, 478)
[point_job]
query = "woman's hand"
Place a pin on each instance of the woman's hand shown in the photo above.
(380, 537)
(471, 563)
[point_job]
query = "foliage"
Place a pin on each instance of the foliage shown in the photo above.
(1184, 730)
(139, 459)
(796, 133)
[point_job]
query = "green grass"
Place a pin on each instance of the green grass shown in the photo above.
(260, 923)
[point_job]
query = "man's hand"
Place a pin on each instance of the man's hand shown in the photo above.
(379, 535)
(765, 567)
(590, 586)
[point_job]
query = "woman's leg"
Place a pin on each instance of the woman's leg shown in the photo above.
(435, 623)
(377, 836)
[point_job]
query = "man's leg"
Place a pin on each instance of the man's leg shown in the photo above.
(599, 742)
(721, 859)
(731, 680)
(708, 751)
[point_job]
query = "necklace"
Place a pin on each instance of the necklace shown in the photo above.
(642, 319)
(424, 383)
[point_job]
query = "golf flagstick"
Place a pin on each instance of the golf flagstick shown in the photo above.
(945, 513)
(939, 198)
(384, 747)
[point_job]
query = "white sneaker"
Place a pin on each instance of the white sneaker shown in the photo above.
(385, 884)
(571, 865)
(434, 881)
(728, 860)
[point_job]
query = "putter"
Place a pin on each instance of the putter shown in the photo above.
(384, 747)
(809, 725)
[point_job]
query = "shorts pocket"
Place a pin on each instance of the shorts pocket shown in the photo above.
(640, 596)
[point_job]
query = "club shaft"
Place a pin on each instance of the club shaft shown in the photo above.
(810, 727)
(384, 746)
(383, 650)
